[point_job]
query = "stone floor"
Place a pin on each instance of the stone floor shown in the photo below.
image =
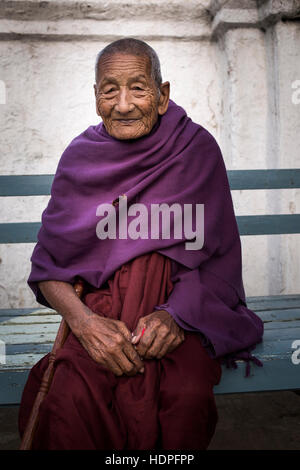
(258, 421)
(254, 421)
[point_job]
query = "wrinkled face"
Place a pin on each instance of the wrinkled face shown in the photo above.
(127, 96)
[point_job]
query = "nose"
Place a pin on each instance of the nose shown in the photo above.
(124, 105)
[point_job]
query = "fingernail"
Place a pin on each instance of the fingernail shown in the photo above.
(134, 339)
(142, 370)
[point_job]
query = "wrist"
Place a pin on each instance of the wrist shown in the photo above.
(80, 320)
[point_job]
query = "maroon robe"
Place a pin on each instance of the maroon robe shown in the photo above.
(170, 406)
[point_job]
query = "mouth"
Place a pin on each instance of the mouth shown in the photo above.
(126, 121)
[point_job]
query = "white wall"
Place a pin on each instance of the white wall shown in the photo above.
(231, 66)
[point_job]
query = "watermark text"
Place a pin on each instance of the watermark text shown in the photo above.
(162, 225)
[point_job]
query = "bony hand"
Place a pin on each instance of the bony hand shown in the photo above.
(156, 335)
(108, 342)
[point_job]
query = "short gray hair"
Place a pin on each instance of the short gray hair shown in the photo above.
(135, 47)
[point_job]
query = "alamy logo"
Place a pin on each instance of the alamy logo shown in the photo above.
(2, 352)
(139, 226)
(296, 93)
(296, 353)
(2, 92)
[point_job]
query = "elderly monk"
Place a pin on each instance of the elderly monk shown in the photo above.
(158, 316)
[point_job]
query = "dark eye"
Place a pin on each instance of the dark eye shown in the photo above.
(137, 88)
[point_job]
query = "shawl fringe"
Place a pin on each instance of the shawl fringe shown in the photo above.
(230, 360)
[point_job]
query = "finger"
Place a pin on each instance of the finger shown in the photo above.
(181, 334)
(129, 350)
(176, 343)
(139, 331)
(114, 356)
(124, 330)
(133, 357)
(111, 365)
(163, 337)
(146, 341)
(128, 367)
(137, 338)
(167, 348)
(158, 344)
(103, 359)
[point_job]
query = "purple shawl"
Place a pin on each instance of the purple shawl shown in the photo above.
(177, 162)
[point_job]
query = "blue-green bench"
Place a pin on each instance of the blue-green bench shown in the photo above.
(29, 333)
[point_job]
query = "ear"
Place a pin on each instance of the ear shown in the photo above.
(95, 91)
(164, 98)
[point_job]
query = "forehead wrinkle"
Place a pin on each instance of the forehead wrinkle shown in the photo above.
(121, 69)
(123, 58)
(136, 78)
(120, 64)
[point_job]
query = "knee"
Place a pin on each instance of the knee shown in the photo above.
(191, 395)
(198, 397)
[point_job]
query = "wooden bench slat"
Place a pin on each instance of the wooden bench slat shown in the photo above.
(26, 232)
(279, 325)
(271, 316)
(267, 316)
(273, 302)
(268, 224)
(261, 303)
(38, 185)
(274, 346)
(264, 179)
(19, 232)
(268, 349)
(29, 319)
(12, 385)
(6, 330)
(284, 333)
(28, 348)
(21, 361)
(16, 312)
(25, 185)
(45, 337)
(277, 374)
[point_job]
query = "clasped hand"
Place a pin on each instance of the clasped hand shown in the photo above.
(110, 343)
